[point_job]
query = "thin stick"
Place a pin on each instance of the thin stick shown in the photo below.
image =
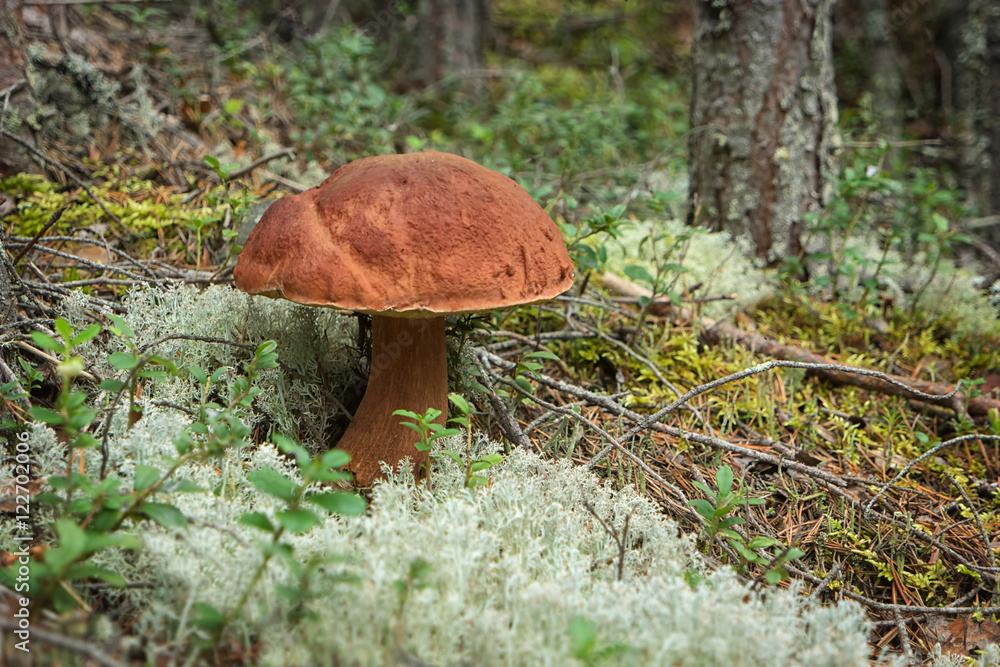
(931, 452)
(983, 535)
(34, 239)
(97, 265)
(75, 645)
(49, 358)
(507, 421)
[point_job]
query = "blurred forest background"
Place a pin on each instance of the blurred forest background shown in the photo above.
(814, 182)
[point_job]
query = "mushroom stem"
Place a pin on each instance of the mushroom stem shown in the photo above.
(409, 371)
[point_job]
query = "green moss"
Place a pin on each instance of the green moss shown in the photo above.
(141, 205)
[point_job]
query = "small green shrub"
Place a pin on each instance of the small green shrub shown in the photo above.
(880, 214)
(91, 513)
(429, 432)
(718, 512)
(340, 104)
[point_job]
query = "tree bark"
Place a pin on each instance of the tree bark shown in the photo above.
(13, 87)
(763, 118)
(450, 36)
(975, 27)
(884, 79)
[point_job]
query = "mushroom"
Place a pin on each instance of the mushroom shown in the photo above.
(407, 239)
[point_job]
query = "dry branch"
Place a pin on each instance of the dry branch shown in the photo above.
(716, 331)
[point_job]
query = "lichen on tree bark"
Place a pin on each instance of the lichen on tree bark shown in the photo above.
(763, 118)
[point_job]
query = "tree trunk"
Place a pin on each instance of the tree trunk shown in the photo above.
(13, 87)
(763, 118)
(449, 39)
(975, 27)
(884, 80)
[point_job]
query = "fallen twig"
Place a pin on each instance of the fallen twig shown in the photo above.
(75, 645)
(507, 421)
(715, 331)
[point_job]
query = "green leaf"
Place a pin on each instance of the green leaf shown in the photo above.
(722, 511)
(112, 386)
(85, 335)
(72, 545)
(123, 361)
(297, 520)
(762, 542)
(415, 427)
(273, 483)
(265, 348)
(479, 386)
(724, 480)
(289, 446)
(339, 502)
(582, 637)
(704, 508)
(64, 329)
(639, 274)
(704, 489)
(524, 384)
(460, 403)
(207, 617)
(444, 433)
(186, 486)
(542, 354)
(257, 520)
(336, 458)
(59, 482)
(419, 568)
(92, 571)
(46, 415)
(164, 514)
(145, 476)
(477, 480)
(81, 418)
(120, 328)
(47, 342)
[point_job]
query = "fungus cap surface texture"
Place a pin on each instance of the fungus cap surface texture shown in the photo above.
(408, 235)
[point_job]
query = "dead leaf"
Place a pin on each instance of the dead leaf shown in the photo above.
(961, 635)
(9, 495)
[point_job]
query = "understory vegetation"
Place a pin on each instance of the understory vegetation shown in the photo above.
(731, 463)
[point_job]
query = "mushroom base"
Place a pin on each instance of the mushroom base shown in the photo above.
(409, 371)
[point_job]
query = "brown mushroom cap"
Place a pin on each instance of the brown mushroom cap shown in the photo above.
(408, 235)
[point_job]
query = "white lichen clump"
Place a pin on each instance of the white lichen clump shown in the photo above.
(717, 262)
(511, 566)
(506, 574)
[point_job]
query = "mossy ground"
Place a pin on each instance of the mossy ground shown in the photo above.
(581, 151)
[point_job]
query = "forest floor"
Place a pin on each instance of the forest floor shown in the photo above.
(868, 428)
